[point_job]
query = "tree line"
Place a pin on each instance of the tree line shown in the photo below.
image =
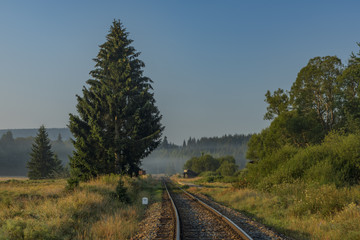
(15, 153)
(211, 167)
(315, 127)
(170, 158)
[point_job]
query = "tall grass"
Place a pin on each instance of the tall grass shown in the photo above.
(46, 210)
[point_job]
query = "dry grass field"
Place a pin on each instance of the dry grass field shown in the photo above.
(44, 209)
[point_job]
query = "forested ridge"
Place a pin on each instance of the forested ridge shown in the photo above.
(31, 132)
(170, 158)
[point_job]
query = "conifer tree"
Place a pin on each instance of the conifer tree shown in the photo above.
(59, 138)
(58, 166)
(42, 162)
(118, 123)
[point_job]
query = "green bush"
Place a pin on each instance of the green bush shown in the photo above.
(223, 166)
(227, 169)
(335, 161)
(72, 183)
(257, 171)
(324, 199)
(121, 192)
(202, 164)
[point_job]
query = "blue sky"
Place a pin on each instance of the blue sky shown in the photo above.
(211, 61)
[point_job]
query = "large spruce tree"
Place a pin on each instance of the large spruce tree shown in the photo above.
(118, 123)
(42, 163)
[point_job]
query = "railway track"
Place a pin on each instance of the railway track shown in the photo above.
(169, 220)
(196, 220)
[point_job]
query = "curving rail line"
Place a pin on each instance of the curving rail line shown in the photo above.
(177, 234)
(223, 218)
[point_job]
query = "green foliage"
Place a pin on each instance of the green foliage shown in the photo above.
(287, 129)
(335, 161)
(227, 159)
(316, 88)
(302, 199)
(202, 164)
(278, 103)
(262, 169)
(227, 169)
(118, 123)
(121, 192)
(72, 183)
(43, 163)
(315, 130)
(212, 169)
(240, 183)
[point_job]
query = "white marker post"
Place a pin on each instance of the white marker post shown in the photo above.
(145, 201)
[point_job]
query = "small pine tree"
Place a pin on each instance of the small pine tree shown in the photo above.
(121, 192)
(59, 138)
(58, 169)
(42, 162)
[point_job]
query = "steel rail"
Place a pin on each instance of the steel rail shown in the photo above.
(235, 227)
(176, 214)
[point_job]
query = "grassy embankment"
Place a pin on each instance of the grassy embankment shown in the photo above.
(46, 210)
(297, 210)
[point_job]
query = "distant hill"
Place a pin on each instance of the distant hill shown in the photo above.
(53, 133)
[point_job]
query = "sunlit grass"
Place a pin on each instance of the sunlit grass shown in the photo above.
(46, 210)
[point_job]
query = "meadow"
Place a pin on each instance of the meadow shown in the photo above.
(299, 210)
(45, 209)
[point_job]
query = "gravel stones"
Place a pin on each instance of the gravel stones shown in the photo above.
(148, 226)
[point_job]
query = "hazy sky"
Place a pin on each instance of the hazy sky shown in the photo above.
(211, 61)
